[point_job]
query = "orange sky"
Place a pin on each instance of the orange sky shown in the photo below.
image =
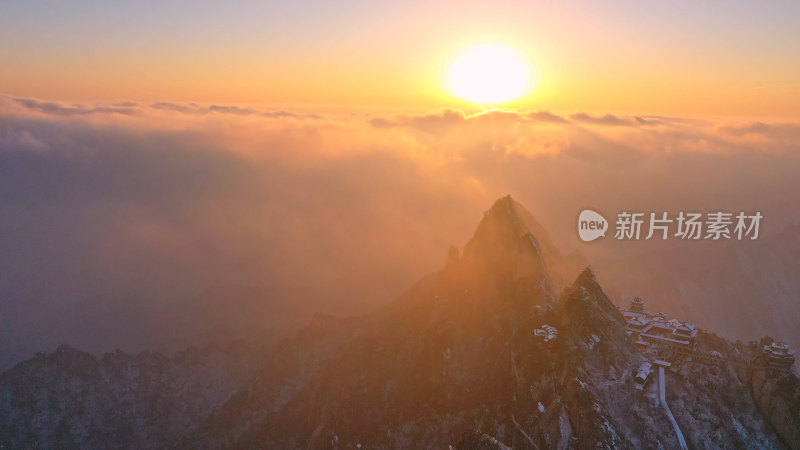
(667, 59)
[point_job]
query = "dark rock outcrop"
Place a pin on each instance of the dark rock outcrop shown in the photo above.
(777, 395)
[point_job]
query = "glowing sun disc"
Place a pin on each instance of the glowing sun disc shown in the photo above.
(490, 74)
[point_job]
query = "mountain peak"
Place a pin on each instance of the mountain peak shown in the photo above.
(589, 308)
(506, 201)
(508, 234)
(587, 278)
(507, 240)
(510, 212)
(502, 226)
(587, 289)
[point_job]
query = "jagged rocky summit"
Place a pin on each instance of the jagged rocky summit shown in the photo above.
(488, 352)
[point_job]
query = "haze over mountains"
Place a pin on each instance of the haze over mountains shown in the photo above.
(452, 361)
(114, 219)
(299, 225)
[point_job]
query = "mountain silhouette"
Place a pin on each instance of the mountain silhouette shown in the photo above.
(491, 351)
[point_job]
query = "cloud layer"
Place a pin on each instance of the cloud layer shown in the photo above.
(112, 214)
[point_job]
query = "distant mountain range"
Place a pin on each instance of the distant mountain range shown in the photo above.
(458, 360)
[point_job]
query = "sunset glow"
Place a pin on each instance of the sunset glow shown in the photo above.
(634, 58)
(490, 74)
(369, 224)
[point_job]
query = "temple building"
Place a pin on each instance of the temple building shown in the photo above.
(654, 332)
(778, 355)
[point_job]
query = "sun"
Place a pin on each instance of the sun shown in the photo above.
(489, 75)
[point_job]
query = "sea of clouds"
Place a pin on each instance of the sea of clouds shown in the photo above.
(114, 217)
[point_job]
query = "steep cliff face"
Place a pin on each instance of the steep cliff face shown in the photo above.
(508, 222)
(593, 348)
(778, 397)
(71, 399)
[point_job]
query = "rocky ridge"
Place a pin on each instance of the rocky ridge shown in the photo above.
(455, 361)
